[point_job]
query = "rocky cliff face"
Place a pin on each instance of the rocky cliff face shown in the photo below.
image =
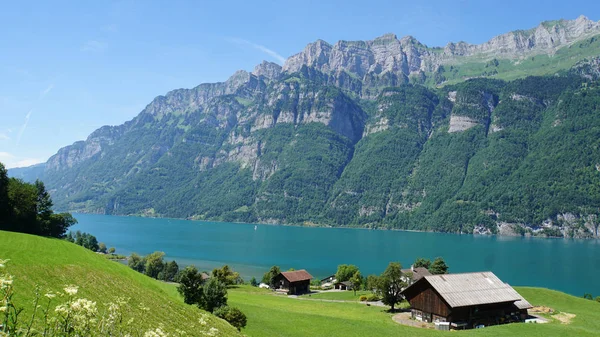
(407, 57)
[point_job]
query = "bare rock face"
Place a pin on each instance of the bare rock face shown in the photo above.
(268, 70)
(406, 56)
(461, 123)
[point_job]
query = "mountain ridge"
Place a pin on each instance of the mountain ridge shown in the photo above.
(338, 141)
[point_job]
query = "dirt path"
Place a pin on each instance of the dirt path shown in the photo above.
(404, 319)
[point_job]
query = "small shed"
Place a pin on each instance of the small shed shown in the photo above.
(346, 285)
(294, 282)
(465, 300)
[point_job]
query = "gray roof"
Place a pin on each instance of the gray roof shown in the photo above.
(417, 273)
(460, 290)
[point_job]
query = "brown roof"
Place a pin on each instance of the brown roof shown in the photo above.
(417, 273)
(297, 275)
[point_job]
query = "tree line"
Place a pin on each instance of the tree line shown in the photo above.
(27, 208)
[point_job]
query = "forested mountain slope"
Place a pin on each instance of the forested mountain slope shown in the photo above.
(366, 134)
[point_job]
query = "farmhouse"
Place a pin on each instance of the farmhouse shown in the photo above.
(346, 285)
(328, 281)
(465, 300)
(294, 282)
(417, 274)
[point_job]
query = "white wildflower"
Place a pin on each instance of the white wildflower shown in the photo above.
(50, 295)
(3, 263)
(3, 308)
(202, 321)
(5, 281)
(212, 332)
(156, 333)
(71, 290)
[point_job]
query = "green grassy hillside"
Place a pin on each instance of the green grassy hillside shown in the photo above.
(275, 315)
(52, 264)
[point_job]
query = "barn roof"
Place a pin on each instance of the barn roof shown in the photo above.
(461, 290)
(297, 275)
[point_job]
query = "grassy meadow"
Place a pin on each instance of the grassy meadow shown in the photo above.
(52, 264)
(277, 315)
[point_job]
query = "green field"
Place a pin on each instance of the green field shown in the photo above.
(277, 315)
(52, 264)
(339, 295)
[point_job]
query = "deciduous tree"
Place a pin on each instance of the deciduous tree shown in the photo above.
(390, 285)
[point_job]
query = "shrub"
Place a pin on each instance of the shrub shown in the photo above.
(363, 298)
(373, 298)
(232, 315)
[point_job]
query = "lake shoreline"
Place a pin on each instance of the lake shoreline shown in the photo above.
(315, 225)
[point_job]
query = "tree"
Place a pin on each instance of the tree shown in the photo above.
(357, 281)
(254, 282)
(190, 285)
(154, 264)
(588, 296)
(102, 247)
(372, 283)
(345, 272)
(111, 250)
(232, 315)
(597, 299)
(421, 262)
(269, 277)
(136, 262)
(214, 295)
(438, 267)
(226, 275)
(390, 285)
(170, 271)
(5, 212)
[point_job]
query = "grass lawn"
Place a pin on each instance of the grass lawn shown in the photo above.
(277, 315)
(52, 264)
(339, 295)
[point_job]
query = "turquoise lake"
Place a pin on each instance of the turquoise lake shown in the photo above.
(572, 266)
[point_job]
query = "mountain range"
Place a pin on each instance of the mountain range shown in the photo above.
(496, 138)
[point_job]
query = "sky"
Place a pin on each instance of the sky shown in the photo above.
(70, 67)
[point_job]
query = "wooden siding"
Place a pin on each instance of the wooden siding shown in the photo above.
(429, 301)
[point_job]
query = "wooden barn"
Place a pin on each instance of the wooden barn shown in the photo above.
(465, 300)
(294, 282)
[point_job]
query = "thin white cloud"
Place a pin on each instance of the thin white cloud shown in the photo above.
(4, 136)
(24, 126)
(111, 28)
(94, 46)
(280, 59)
(26, 162)
(6, 155)
(46, 91)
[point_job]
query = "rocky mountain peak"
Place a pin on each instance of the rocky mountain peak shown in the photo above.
(267, 69)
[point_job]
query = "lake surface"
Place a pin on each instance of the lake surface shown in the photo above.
(572, 266)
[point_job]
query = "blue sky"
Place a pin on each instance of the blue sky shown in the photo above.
(69, 67)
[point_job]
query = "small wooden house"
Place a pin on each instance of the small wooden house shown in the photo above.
(465, 300)
(294, 282)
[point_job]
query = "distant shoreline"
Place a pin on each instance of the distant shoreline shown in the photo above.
(315, 225)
